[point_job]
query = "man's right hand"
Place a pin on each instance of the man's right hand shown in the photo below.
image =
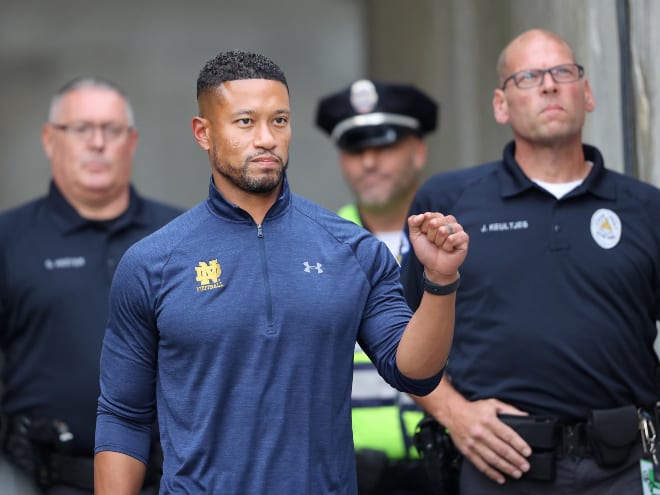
(493, 447)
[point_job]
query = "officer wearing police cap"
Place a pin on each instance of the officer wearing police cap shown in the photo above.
(378, 128)
(373, 113)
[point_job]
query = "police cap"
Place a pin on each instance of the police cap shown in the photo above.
(372, 113)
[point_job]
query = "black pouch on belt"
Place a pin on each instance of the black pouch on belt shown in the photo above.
(540, 432)
(612, 433)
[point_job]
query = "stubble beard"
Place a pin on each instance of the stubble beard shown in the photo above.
(241, 178)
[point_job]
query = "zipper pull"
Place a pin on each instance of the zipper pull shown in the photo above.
(260, 230)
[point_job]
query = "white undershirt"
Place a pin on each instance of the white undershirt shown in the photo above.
(396, 241)
(559, 189)
(393, 240)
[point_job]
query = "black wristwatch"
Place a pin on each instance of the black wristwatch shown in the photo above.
(440, 290)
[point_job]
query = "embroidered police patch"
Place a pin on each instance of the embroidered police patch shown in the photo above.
(606, 228)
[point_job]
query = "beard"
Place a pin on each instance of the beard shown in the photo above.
(241, 177)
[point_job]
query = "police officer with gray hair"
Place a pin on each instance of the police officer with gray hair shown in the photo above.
(58, 254)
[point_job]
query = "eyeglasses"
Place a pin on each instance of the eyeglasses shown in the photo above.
(533, 78)
(84, 131)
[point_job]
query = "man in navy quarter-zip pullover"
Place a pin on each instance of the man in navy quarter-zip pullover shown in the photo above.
(238, 320)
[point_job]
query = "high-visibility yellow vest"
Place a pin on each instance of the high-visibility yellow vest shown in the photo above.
(350, 212)
(383, 418)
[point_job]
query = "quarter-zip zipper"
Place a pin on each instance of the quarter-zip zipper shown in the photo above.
(264, 270)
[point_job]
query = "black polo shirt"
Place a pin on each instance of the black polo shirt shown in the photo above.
(55, 274)
(559, 298)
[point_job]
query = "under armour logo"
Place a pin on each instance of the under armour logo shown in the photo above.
(309, 268)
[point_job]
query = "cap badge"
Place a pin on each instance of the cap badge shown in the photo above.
(364, 96)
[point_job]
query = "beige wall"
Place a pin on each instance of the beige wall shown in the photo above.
(447, 47)
(155, 49)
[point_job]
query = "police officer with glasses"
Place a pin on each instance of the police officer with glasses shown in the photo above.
(58, 254)
(551, 383)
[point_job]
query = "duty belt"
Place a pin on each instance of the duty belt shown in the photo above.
(572, 440)
(39, 447)
(42, 449)
(70, 470)
(607, 435)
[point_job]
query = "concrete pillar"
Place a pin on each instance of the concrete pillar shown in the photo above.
(645, 40)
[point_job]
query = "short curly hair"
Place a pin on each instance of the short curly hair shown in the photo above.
(236, 65)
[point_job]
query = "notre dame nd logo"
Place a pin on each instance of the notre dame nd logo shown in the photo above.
(208, 275)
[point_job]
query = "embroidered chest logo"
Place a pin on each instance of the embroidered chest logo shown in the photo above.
(308, 268)
(208, 275)
(606, 228)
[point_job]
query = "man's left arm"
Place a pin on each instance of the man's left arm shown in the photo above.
(441, 245)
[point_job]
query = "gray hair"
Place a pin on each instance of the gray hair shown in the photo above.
(90, 82)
